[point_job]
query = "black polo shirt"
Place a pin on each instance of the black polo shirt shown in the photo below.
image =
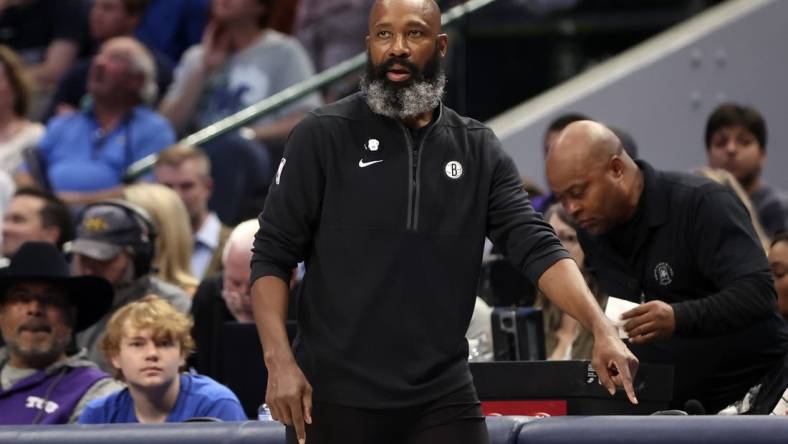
(691, 244)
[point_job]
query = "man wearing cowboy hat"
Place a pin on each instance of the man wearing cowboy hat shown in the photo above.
(41, 306)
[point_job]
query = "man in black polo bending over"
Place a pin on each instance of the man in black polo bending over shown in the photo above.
(388, 195)
(685, 249)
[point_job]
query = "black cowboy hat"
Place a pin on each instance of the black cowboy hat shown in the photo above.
(42, 262)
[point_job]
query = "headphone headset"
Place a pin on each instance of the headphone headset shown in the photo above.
(144, 250)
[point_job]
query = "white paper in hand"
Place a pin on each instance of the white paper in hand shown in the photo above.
(615, 307)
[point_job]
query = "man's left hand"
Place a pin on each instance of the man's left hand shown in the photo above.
(649, 321)
(614, 363)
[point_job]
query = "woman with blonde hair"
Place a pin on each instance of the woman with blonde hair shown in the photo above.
(17, 132)
(174, 242)
(729, 180)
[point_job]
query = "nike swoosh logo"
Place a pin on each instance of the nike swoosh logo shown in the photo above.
(363, 164)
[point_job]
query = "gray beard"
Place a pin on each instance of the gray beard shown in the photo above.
(37, 358)
(401, 103)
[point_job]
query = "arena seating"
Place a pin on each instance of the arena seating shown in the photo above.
(503, 430)
(655, 429)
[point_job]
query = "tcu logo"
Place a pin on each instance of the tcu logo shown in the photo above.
(34, 402)
(453, 169)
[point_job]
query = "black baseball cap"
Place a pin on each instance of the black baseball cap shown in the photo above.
(105, 229)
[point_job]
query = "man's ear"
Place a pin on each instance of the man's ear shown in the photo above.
(137, 81)
(616, 166)
(51, 234)
(443, 44)
(764, 156)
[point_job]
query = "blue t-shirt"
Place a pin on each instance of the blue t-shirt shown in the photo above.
(79, 157)
(172, 26)
(198, 396)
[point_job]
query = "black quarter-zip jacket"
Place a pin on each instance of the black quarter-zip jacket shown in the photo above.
(392, 234)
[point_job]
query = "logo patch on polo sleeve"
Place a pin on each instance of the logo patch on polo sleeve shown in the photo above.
(279, 170)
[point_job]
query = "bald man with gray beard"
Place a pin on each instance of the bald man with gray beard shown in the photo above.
(388, 196)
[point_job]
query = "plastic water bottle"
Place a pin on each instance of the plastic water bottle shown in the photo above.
(264, 413)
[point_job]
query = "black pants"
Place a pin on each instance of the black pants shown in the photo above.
(455, 418)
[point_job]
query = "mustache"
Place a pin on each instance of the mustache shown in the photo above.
(389, 64)
(35, 325)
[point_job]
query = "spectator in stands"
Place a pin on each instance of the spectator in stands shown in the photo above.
(174, 242)
(239, 63)
(187, 170)
(778, 260)
(736, 138)
(108, 19)
(147, 342)
(242, 170)
(47, 35)
(36, 215)
(116, 240)
(564, 337)
(329, 31)
(682, 246)
(86, 153)
(17, 132)
(223, 298)
(173, 26)
(542, 202)
(40, 307)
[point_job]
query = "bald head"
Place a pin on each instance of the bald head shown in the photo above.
(110, 79)
(592, 176)
(585, 142)
(428, 10)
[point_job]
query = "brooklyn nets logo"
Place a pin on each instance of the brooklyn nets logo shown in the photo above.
(453, 169)
(663, 273)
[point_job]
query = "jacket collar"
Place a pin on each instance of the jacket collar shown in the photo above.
(655, 197)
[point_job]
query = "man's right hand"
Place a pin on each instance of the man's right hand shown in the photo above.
(289, 396)
(216, 46)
